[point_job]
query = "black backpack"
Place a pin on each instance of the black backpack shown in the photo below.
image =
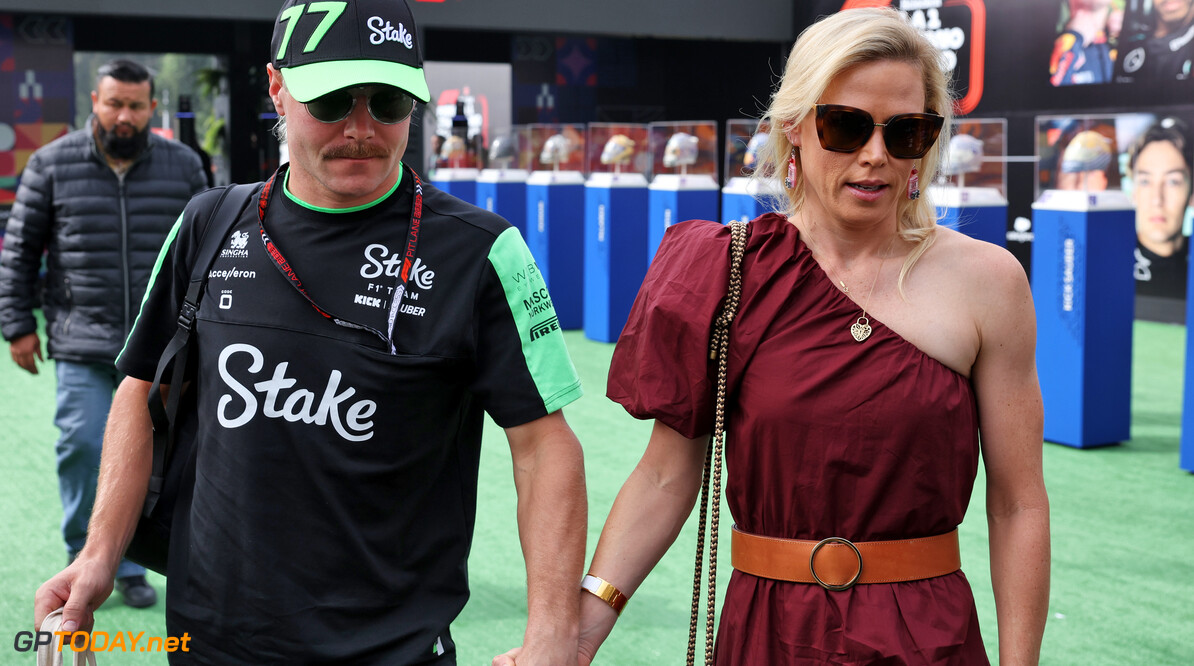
(173, 474)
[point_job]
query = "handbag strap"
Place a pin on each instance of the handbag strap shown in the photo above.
(719, 347)
(51, 654)
(165, 417)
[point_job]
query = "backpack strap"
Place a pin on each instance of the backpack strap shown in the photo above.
(211, 239)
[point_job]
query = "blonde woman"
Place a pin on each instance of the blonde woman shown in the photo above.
(870, 351)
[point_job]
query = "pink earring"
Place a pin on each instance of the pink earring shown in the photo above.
(790, 181)
(913, 185)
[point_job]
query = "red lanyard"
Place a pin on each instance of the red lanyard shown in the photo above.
(408, 261)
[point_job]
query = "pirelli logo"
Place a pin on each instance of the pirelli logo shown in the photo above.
(542, 329)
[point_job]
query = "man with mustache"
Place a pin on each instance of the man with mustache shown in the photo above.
(100, 201)
(355, 326)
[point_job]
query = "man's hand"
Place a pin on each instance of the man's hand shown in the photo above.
(78, 589)
(23, 349)
(510, 658)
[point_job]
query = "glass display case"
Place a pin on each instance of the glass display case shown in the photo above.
(1085, 153)
(974, 167)
(501, 186)
(684, 161)
(744, 138)
(684, 152)
(555, 147)
(510, 150)
(618, 148)
(744, 198)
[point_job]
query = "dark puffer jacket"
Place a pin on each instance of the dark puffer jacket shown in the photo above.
(103, 234)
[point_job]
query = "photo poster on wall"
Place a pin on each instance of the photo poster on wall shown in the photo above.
(1146, 155)
(1023, 54)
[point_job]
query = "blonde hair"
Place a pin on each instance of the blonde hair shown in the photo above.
(824, 51)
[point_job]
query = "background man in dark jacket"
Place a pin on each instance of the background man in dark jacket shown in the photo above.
(99, 202)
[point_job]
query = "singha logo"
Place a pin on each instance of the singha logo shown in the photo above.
(239, 240)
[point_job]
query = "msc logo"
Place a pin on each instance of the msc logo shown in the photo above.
(538, 302)
(542, 329)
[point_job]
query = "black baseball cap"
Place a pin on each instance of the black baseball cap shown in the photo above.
(323, 46)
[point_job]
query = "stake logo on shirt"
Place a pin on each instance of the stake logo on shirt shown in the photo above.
(379, 261)
(280, 399)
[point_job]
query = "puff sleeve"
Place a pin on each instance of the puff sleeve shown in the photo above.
(660, 368)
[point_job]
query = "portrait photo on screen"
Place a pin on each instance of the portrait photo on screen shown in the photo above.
(1156, 44)
(1084, 49)
(1157, 177)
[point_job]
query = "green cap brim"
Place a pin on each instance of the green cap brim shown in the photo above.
(306, 82)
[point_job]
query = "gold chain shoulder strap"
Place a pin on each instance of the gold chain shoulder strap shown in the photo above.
(718, 350)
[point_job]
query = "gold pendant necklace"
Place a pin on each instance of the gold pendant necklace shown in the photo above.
(861, 328)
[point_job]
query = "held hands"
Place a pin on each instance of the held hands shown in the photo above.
(24, 349)
(512, 657)
(596, 622)
(78, 589)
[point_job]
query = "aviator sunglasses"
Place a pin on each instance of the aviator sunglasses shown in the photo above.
(387, 105)
(845, 129)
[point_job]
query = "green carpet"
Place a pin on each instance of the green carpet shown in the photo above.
(1122, 517)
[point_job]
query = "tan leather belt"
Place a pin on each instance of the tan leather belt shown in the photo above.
(838, 564)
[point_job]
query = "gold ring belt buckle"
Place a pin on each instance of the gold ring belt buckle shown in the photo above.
(812, 566)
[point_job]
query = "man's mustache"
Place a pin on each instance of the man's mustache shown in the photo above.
(356, 151)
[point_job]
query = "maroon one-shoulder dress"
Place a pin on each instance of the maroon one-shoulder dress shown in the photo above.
(826, 437)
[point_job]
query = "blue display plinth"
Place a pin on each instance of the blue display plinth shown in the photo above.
(740, 200)
(674, 198)
(978, 212)
(460, 183)
(1187, 446)
(504, 191)
(1084, 293)
(615, 250)
(555, 215)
